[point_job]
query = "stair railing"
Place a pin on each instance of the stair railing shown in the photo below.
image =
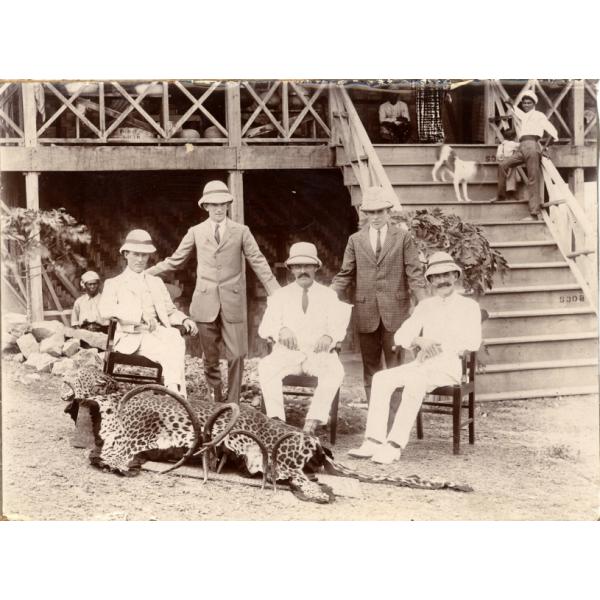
(360, 154)
(572, 227)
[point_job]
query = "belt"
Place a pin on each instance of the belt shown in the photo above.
(524, 138)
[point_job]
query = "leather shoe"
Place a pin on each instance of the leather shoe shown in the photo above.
(367, 449)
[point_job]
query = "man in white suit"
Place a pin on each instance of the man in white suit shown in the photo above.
(145, 312)
(306, 320)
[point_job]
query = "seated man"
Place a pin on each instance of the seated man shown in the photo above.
(394, 122)
(306, 320)
(145, 312)
(85, 314)
(441, 328)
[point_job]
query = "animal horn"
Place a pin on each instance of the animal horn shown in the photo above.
(186, 405)
(274, 452)
(263, 449)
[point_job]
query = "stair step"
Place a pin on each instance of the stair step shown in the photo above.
(508, 231)
(468, 211)
(403, 173)
(511, 377)
(418, 153)
(430, 191)
(539, 393)
(541, 347)
(519, 274)
(529, 251)
(541, 296)
(535, 321)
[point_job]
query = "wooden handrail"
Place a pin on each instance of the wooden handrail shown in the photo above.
(360, 153)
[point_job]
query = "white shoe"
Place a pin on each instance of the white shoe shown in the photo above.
(386, 454)
(367, 449)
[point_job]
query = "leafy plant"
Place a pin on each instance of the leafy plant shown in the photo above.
(52, 235)
(435, 230)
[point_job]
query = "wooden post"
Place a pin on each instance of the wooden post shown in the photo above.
(489, 110)
(235, 183)
(35, 264)
(29, 114)
(233, 113)
(578, 108)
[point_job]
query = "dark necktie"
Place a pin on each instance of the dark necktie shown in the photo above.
(378, 245)
(304, 300)
(217, 236)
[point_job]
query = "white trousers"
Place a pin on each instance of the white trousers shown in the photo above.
(416, 379)
(166, 346)
(282, 361)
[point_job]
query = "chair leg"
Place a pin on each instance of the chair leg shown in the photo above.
(333, 417)
(456, 410)
(420, 426)
(472, 418)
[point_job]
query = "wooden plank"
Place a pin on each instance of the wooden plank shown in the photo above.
(286, 157)
(32, 194)
(29, 116)
(54, 296)
(578, 106)
(233, 113)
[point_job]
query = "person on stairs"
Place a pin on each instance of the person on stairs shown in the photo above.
(440, 329)
(305, 320)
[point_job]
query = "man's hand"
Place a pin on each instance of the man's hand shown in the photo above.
(151, 322)
(190, 327)
(323, 343)
(428, 348)
(288, 339)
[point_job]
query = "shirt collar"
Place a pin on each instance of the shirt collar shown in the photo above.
(374, 231)
(300, 289)
(221, 225)
(131, 274)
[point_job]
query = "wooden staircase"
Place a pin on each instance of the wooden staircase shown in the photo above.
(541, 338)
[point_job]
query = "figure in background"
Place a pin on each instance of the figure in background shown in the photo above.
(533, 125)
(219, 300)
(440, 329)
(306, 320)
(145, 312)
(382, 262)
(85, 314)
(507, 149)
(394, 122)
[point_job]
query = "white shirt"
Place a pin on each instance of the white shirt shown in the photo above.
(535, 122)
(222, 226)
(506, 149)
(141, 287)
(86, 309)
(373, 236)
(325, 315)
(391, 112)
(454, 322)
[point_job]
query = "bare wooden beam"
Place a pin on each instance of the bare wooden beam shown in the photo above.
(35, 265)
(235, 182)
(29, 115)
(234, 113)
(578, 108)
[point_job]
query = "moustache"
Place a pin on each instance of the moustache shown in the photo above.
(442, 285)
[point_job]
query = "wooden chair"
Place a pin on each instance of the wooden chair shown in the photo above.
(113, 359)
(458, 392)
(309, 383)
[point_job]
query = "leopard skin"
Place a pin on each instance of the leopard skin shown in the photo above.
(151, 425)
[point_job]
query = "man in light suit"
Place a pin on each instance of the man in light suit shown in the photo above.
(382, 261)
(145, 312)
(218, 303)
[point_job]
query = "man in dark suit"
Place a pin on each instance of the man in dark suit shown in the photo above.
(382, 261)
(218, 303)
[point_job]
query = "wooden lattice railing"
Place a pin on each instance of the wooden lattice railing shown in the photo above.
(572, 225)
(360, 154)
(11, 114)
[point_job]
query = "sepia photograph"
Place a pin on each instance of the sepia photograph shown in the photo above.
(299, 299)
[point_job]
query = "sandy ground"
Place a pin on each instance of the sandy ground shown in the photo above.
(533, 460)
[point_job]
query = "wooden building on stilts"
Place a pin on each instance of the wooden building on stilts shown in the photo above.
(121, 155)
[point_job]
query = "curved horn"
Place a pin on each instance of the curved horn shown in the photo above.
(186, 405)
(206, 432)
(274, 452)
(263, 449)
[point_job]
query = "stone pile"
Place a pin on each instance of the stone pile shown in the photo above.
(49, 346)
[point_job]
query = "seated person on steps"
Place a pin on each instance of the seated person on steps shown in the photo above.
(146, 314)
(85, 313)
(394, 122)
(441, 328)
(306, 320)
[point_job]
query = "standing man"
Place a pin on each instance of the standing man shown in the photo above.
(145, 312)
(382, 260)
(306, 320)
(218, 303)
(533, 126)
(441, 328)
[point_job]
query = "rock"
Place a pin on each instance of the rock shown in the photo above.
(28, 344)
(41, 362)
(30, 378)
(15, 324)
(87, 358)
(91, 338)
(71, 347)
(44, 329)
(53, 345)
(60, 367)
(9, 341)
(18, 357)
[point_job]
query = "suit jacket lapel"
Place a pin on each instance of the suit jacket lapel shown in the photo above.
(208, 232)
(390, 239)
(225, 234)
(158, 301)
(366, 243)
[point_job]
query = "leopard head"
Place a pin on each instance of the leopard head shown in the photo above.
(86, 383)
